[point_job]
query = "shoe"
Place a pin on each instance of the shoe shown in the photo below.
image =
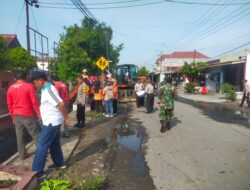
(41, 176)
(65, 136)
(76, 125)
(82, 125)
(111, 116)
(52, 166)
(106, 115)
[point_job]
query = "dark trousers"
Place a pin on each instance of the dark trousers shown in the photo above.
(245, 97)
(139, 101)
(150, 102)
(98, 106)
(49, 140)
(80, 114)
(115, 105)
(23, 123)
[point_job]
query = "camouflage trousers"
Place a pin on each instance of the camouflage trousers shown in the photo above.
(166, 115)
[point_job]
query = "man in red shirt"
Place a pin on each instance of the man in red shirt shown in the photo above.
(24, 109)
(63, 92)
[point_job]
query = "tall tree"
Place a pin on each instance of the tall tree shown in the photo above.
(20, 59)
(193, 69)
(143, 71)
(81, 46)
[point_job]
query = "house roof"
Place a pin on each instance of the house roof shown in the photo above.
(183, 55)
(188, 54)
(11, 40)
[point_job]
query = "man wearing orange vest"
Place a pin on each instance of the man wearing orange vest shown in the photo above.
(115, 87)
(98, 94)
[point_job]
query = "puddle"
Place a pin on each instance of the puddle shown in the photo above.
(130, 137)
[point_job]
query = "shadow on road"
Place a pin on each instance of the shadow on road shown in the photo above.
(218, 112)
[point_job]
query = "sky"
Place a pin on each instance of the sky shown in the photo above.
(146, 31)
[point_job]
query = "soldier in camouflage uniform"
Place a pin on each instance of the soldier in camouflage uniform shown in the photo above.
(167, 96)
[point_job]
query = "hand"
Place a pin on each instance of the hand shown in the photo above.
(40, 121)
(67, 122)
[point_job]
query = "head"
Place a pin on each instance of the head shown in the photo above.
(54, 78)
(20, 75)
(244, 81)
(149, 81)
(84, 71)
(39, 79)
(168, 80)
(139, 81)
(79, 80)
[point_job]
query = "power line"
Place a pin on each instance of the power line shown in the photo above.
(190, 27)
(19, 18)
(225, 21)
(142, 4)
(231, 50)
(214, 30)
(34, 19)
(224, 42)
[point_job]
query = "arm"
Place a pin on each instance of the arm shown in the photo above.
(34, 101)
(10, 103)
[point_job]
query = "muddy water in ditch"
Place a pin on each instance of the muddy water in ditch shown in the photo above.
(129, 169)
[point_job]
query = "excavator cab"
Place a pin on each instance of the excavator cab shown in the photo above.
(127, 76)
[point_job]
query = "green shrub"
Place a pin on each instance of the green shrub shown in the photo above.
(230, 91)
(190, 87)
(95, 184)
(227, 88)
(231, 95)
(56, 184)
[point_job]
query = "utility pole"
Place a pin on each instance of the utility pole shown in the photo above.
(27, 2)
(27, 25)
(107, 48)
(194, 56)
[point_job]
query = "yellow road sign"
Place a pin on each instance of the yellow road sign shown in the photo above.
(102, 63)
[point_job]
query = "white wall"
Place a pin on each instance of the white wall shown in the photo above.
(247, 77)
(40, 65)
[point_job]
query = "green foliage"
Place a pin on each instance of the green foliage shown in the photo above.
(190, 87)
(20, 59)
(56, 184)
(193, 69)
(80, 48)
(226, 88)
(3, 53)
(95, 184)
(230, 91)
(231, 95)
(143, 71)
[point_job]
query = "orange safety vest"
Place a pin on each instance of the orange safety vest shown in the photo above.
(115, 87)
(98, 96)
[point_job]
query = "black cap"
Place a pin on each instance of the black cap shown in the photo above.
(38, 75)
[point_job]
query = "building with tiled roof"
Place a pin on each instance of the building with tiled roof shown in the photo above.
(170, 63)
(11, 40)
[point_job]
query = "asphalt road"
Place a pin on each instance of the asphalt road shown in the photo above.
(206, 149)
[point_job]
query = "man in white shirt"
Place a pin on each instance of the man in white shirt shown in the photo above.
(245, 93)
(150, 96)
(139, 87)
(53, 114)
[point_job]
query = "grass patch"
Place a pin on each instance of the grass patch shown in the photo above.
(94, 115)
(64, 183)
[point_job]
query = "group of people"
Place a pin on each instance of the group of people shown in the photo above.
(28, 113)
(43, 114)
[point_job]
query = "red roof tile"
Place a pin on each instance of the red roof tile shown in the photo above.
(188, 54)
(8, 37)
(182, 55)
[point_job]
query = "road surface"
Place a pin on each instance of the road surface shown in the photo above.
(206, 149)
